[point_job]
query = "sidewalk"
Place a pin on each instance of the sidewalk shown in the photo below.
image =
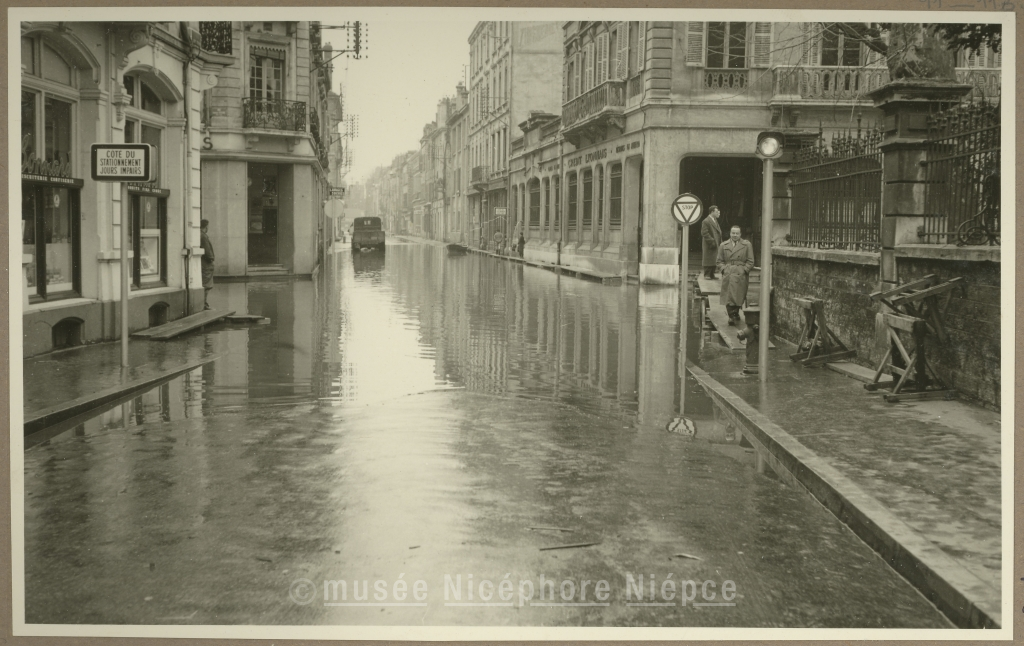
(908, 477)
(63, 383)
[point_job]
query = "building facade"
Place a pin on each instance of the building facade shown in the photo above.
(456, 178)
(96, 82)
(514, 68)
(265, 160)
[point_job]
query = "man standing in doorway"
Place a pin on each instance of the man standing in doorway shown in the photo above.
(207, 260)
(735, 260)
(711, 235)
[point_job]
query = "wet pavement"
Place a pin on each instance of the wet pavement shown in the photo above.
(419, 418)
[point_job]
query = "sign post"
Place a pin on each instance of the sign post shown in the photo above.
(686, 209)
(123, 163)
(769, 148)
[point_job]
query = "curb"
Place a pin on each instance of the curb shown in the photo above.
(46, 417)
(958, 593)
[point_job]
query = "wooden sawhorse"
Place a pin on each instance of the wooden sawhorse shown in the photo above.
(825, 345)
(914, 362)
(920, 299)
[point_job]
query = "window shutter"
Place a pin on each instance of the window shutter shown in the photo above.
(695, 43)
(996, 59)
(588, 81)
(762, 45)
(602, 58)
(576, 75)
(811, 45)
(641, 46)
(621, 51)
(565, 82)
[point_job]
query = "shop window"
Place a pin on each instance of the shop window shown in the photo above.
(67, 333)
(615, 198)
(588, 198)
(558, 202)
(573, 196)
(547, 202)
(148, 237)
(727, 45)
(600, 197)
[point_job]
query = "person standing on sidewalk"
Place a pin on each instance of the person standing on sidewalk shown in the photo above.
(735, 260)
(207, 260)
(711, 235)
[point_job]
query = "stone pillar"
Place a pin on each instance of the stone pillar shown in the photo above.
(906, 105)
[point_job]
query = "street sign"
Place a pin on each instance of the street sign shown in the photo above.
(122, 162)
(338, 192)
(501, 210)
(687, 209)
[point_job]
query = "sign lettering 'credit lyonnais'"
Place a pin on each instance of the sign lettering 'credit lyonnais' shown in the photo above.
(687, 209)
(122, 162)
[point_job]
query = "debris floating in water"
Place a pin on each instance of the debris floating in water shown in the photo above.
(688, 556)
(565, 547)
(553, 529)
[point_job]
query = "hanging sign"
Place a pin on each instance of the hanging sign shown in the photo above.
(122, 162)
(687, 209)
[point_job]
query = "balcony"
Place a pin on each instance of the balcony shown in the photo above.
(274, 115)
(594, 110)
(817, 83)
(986, 81)
(480, 175)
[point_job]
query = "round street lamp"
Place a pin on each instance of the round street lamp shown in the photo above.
(769, 147)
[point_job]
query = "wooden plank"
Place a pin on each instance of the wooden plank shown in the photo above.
(187, 324)
(930, 291)
(855, 371)
(927, 281)
(709, 286)
(805, 303)
(719, 317)
(905, 323)
(833, 356)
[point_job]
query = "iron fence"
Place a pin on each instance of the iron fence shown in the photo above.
(962, 175)
(837, 192)
(274, 114)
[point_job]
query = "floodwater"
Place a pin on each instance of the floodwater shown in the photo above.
(401, 445)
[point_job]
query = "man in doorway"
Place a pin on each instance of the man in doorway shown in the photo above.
(711, 236)
(207, 261)
(735, 260)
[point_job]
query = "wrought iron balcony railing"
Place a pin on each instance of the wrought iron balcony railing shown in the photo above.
(274, 114)
(480, 174)
(609, 96)
(215, 37)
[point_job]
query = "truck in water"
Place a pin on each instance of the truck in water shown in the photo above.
(367, 233)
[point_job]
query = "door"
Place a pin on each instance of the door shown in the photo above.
(262, 216)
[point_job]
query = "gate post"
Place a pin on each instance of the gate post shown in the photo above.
(906, 105)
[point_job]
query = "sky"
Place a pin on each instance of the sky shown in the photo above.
(395, 87)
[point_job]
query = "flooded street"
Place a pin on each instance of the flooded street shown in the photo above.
(436, 419)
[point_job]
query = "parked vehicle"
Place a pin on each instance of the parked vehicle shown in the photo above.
(367, 233)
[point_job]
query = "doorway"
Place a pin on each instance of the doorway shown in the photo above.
(733, 184)
(263, 200)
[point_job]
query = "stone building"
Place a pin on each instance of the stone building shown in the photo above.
(265, 160)
(109, 82)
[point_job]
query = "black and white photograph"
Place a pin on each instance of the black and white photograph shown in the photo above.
(512, 323)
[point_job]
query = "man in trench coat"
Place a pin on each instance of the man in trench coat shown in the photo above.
(735, 260)
(711, 237)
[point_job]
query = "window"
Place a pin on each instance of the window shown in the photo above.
(535, 204)
(571, 213)
(615, 199)
(50, 195)
(149, 240)
(547, 203)
(600, 196)
(727, 45)
(140, 124)
(558, 202)
(838, 50)
(588, 198)
(266, 74)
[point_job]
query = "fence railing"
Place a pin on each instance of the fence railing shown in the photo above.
(274, 114)
(837, 192)
(987, 82)
(215, 37)
(726, 79)
(610, 94)
(962, 176)
(828, 83)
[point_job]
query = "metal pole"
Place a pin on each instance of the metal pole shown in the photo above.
(126, 218)
(684, 301)
(766, 268)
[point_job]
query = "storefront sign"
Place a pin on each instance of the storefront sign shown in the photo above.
(599, 154)
(146, 189)
(122, 162)
(70, 182)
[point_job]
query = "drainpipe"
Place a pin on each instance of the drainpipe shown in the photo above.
(186, 73)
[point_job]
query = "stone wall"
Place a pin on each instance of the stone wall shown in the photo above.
(843, 280)
(969, 363)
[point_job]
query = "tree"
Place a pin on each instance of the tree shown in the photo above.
(923, 51)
